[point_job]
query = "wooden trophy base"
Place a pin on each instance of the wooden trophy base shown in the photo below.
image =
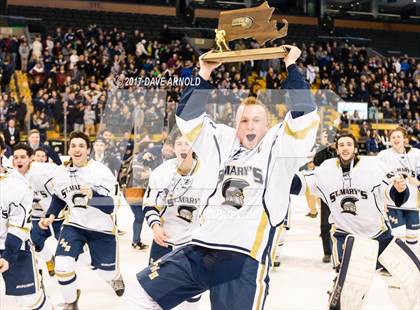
(245, 55)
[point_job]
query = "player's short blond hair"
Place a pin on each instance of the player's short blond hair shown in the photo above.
(252, 101)
(400, 129)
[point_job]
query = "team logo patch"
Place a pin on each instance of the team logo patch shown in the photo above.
(232, 191)
(79, 200)
(186, 213)
(348, 205)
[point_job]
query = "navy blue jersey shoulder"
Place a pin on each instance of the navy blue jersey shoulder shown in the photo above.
(193, 100)
(300, 101)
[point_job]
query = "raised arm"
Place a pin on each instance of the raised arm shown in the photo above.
(297, 132)
(300, 98)
(194, 98)
(209, 140)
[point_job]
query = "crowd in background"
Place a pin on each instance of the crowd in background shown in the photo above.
(86, 79)
(74, 76)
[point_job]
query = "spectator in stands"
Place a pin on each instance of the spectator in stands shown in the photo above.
(364, 130)
(24, 55)
(40, 122)
(77, 114)
(125, 147)
(49, 44)
(11, 105)
(38, 70)
(5, 162)
(106, 158)
(36, 49)
(384, 139)
(11, 133)
(13, 50)
(2, 48)
(3, 115)
(372, 143)
(21, 111)
(355, 117)
(109, 139)
(89, 118)
(344, 118)
(312, 72)
(98, 55)
(34, 140)
(6, 76)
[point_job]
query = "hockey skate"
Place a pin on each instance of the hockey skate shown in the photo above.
(118, 285)
(73, 305)
(51, 267)
(139, 246)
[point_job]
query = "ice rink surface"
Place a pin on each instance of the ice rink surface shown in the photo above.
(301, 282)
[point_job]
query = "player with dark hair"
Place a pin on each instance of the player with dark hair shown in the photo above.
(17, 262)
(356, 188)
(40, 155)
(88, 188)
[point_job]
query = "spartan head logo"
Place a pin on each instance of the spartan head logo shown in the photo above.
(186, 213)
(36, 205)
(348, 204)
(232, 191)
(79, 200)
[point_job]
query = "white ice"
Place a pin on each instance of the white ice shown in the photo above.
(301, 282)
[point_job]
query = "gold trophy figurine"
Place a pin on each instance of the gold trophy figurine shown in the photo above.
(253, 23)
(221, 40)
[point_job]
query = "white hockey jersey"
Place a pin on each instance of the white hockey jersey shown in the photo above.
(40, 177)
(250, 195)
(407, 164)
(15, 207)
(175, 200)
(67, 181)
(355, 198)
(6, 162)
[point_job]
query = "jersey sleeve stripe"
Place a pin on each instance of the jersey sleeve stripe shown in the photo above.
(300, 134)
(152, 219)
(24, 229)
(154, 222)
(153, 209)
(194, 133)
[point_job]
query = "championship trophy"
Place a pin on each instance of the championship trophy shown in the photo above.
(243, 24)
